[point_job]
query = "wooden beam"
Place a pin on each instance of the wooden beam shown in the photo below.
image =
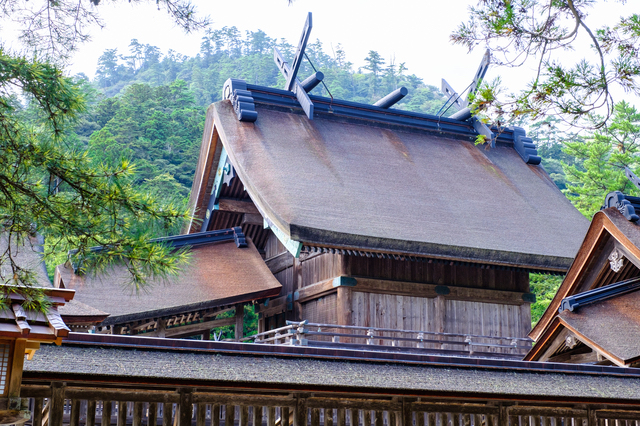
(280, 262)
(191, 329)
(238, 206)
(17, 364)
(371, 285)
(252, 219)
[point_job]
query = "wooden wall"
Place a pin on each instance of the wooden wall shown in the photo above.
(437, 273)
(399, 306)
(439, 315)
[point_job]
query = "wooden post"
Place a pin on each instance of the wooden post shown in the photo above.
(161, 330)
(257, 415)
(229, 415)
(91, 413)
(315, 417)
(239, 322)
(378, 420)
(17, 363)
(105, 419)
(201, 414)
(503, 418)
(122, 413)
(37, 412)
(244, 416)
(591, 417)
(167, 413)
(271, 416)
(137, 414)
(440, 316)
(300, 413)
(345, 308)
(152, 417)
(328, 417)
(284, 416)
(185, 407)
(56, 409)
(366, 418)
(74, 417)
(215, 415)
(407, 415)
(431, 417)
(206, 335)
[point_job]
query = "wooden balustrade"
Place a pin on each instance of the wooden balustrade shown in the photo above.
(59, 405)
(305, 333)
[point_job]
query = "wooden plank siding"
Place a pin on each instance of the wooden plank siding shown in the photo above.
(420, 313)
(399, 300)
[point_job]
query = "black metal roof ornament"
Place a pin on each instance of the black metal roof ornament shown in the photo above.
(626, 204)
(241, 99)
(291, 73)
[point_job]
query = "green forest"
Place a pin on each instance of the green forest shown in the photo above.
(148, 107)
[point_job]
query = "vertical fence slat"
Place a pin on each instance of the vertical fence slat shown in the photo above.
(431, 419)
(244, 416)
(366, 417)
(257, 416)
(137, 414)
(328, 417)
(167, 413)
(271, 416)
(378, 418)
(152, 416)
(122, 413)
(74, 417)
(284, 416)
(201, 414)
(315, 417)
(229, 415)
(215, 414)
(419, 418)
(91, 413)
(342, 417)
(37, 412)
(105, 418)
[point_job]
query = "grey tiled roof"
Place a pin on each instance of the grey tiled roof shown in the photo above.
(273, 370)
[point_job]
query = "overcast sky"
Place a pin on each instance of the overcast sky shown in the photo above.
(414, 32)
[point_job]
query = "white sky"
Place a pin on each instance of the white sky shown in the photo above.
(415, 32)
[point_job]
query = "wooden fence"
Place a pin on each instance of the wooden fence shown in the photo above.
(305, 333)
(59, 405)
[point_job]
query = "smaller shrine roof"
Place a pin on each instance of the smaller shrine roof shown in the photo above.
(219, 274)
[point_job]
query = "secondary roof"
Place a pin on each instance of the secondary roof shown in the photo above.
(218, 274)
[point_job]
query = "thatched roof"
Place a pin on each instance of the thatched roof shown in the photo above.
(360, 184)
(219, 274)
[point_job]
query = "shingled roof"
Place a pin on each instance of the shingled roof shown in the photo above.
(219, 274)
(242, 364)
(366, 185)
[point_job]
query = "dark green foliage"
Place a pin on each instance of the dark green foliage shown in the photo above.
(545, 287)
(159, 128)
(250, 324)
(602, 158)
(49, 186)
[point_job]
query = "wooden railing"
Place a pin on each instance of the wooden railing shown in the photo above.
(58, 406)
(304, 333)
